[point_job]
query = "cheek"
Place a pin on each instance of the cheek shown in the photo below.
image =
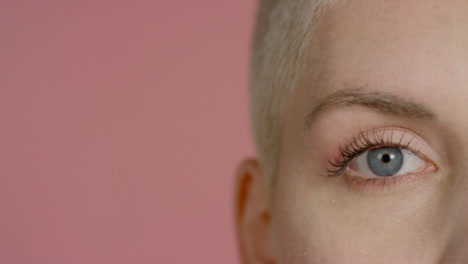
(317, 222)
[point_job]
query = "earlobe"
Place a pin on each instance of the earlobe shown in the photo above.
(252, 214)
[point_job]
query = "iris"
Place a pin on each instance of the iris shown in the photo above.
(385, 161)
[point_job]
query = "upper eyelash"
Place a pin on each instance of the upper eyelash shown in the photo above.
(361, 144)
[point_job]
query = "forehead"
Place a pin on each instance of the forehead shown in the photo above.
(398, 36)
(416, 49)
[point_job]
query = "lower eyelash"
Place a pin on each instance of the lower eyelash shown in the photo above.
(372, 182)
(363, 143)
(384, 183)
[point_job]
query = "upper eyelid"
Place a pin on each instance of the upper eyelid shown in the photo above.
(364, 140)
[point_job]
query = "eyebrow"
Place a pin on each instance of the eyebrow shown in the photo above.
(384, 103)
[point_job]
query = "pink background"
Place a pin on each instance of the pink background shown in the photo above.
(122, 123)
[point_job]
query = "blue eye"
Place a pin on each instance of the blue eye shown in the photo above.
(386, 162)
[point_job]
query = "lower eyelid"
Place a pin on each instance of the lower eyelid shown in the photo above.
(387, 183)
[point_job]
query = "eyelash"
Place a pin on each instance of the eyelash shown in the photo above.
(363, 143)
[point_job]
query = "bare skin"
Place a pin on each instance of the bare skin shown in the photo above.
(384, 54)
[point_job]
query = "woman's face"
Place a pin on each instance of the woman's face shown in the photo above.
(374, 159)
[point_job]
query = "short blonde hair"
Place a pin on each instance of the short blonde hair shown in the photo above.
(279, 53)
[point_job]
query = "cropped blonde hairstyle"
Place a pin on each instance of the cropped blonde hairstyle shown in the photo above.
(279, 53)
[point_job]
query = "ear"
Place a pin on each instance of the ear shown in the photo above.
(252, 213)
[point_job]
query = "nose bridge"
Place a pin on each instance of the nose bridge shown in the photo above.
(452, 128)
(457, 249)
(455, 203)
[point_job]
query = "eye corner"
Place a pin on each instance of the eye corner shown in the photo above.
(432, 167)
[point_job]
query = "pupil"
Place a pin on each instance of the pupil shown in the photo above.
(386, 158)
